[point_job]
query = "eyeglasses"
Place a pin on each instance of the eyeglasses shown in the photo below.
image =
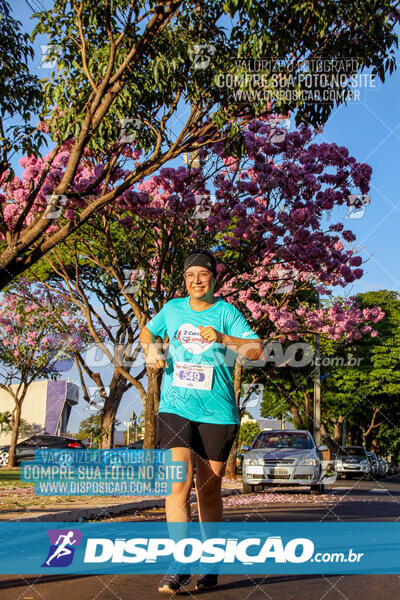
(202, 276)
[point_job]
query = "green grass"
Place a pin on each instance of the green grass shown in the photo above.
(20, 495)
(12, 478)
(9, 475)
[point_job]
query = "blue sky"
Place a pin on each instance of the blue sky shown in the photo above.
(370, 129)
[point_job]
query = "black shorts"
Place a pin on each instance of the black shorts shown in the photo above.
(208, 440)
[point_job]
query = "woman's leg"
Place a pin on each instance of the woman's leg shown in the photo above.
(213, 440)
(175, 433)
(177, 504)
(209, 475)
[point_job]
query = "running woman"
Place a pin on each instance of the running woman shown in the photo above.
(197, 417)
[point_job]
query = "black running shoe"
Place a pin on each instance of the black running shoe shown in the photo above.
(207, 582)
(173, 583)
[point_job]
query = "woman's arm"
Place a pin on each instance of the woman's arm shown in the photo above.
(153, 357)
(250, 349)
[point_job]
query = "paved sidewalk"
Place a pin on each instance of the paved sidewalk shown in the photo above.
(104, 508)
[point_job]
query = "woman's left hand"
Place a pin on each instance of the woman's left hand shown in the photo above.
(210, 334)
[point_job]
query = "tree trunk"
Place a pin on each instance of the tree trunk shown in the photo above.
(151, 406)
(307, 416)
(298, 421)
(338, 433)
(109, 411)
(107, 425)
(305, 420)
(355, 435)
(230, 470)
(14, 434)
(332, 445)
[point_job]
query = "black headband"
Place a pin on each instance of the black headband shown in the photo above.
(201, 259)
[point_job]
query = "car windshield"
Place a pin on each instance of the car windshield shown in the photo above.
(29, 442)
(295, 440)
(352, 451)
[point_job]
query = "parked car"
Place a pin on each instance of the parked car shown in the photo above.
(114, 458)
(373, 465)
(138, 445)
(352, 460)
(26, 450)
(384, 467)
(279, 457)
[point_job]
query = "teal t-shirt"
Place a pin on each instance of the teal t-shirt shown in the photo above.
(198, 382)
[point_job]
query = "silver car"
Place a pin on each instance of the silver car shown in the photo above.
(383, 467)
(279, 457)
(352, 460)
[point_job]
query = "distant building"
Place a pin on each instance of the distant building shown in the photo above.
(46, 407)
(119, 438)
(273, 424)
(247, 419)
(266, 423)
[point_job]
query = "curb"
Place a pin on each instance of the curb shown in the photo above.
(93, 512)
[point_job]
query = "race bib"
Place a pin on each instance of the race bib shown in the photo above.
(189, 375)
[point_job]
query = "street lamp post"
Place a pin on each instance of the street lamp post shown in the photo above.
(128, 431)
(317, 389)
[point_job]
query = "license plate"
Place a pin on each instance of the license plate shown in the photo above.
(279, 472)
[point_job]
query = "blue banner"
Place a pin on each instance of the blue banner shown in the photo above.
(227, 547)
(117, 472)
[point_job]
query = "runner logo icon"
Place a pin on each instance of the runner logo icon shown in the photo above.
(61, 551)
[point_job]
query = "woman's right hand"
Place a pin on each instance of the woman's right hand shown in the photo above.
(155, 360)
(161, 363)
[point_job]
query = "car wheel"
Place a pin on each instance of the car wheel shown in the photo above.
(248, 488)
(318, 488)
(4, 456)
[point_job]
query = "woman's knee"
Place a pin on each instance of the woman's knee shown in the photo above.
(208, 485)
(182, 488)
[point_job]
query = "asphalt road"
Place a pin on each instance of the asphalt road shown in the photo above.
(346, 501)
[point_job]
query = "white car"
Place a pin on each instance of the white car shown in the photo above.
(352, 460)
(285, 457)
(383, 467)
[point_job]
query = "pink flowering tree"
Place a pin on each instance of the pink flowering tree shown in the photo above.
(266, 221)
(34, 325)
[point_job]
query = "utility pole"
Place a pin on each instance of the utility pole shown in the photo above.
(344, 432)
(317, 389)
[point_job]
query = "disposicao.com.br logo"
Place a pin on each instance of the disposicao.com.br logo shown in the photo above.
(248, 551)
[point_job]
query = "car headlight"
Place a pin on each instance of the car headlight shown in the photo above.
(308, 461)
(253, 461)
(364, 463)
